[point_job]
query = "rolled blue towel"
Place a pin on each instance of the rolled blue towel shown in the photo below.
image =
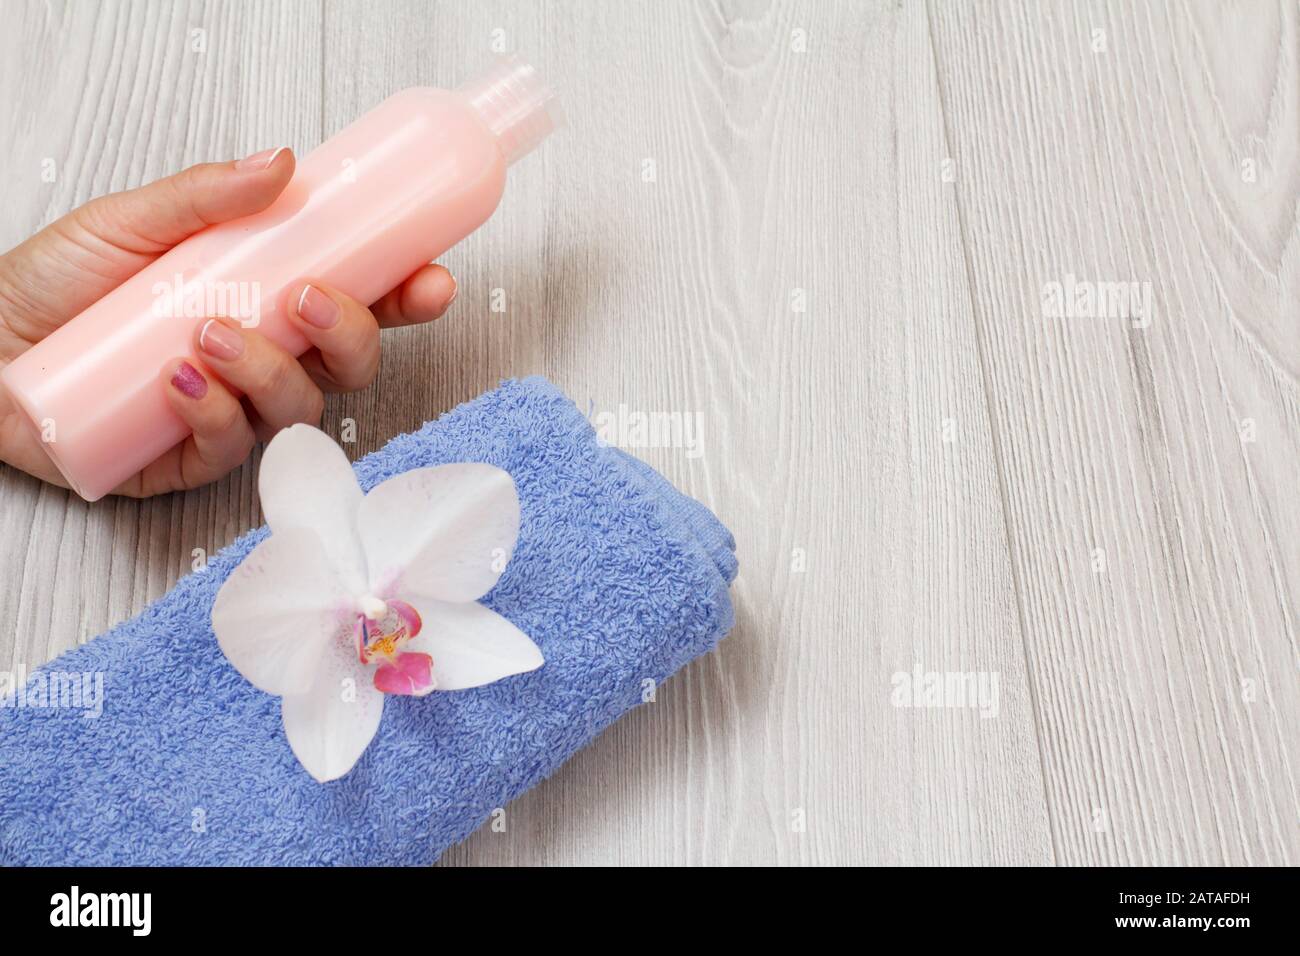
(617, 577)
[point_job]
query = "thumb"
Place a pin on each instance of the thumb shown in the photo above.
(151, 219)
(78, 259)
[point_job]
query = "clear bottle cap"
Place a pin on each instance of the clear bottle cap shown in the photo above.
(515, 104)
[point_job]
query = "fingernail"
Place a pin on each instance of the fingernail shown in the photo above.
(455, 291)
(261, 160)
(187, 380)
(220, 341)
(316, 307)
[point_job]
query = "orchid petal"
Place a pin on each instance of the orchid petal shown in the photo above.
(442, 533)
(472, 645)
(331, 725)
(307, 482)
(278, 611)
(411, 675)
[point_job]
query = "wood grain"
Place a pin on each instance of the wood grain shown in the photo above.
(824, 228)
(1150, 472)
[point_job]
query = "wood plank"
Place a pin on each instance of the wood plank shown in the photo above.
(1150, 469)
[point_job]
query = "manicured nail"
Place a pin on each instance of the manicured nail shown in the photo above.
(455, 290)
(220, 341)
(187, 380)
(317, 308)
(261, 160)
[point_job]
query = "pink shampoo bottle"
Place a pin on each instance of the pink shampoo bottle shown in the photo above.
(365, 209)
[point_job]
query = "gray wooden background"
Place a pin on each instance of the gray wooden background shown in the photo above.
(827, 228)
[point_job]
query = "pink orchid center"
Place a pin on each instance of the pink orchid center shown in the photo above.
(382, 629)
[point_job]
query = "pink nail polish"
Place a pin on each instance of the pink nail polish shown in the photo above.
(262, 160)
(318, 309)
(187, 380)
(220, 341)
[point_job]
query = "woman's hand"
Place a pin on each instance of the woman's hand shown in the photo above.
(70, 264)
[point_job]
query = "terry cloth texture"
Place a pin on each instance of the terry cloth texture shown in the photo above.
(618, 577)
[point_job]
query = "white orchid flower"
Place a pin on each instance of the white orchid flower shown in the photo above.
(356, 596)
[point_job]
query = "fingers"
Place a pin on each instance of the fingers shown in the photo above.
(278, 390)
(221, 441)
(274, 384)
(344, 332)
(423, 297)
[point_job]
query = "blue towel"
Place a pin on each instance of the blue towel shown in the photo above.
(619, 578)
